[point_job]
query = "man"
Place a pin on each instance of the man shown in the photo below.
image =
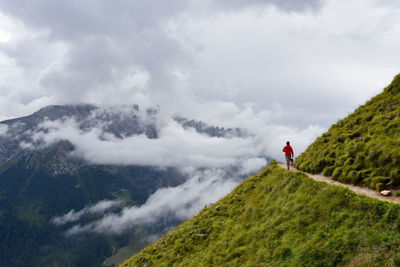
(288, 154)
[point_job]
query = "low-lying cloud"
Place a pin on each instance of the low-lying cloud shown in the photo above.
(98, 208)
(181, 147)
(213, 165)
(167, 204)
(174, 147)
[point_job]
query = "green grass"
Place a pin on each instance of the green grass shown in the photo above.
(281, 218)
(363, 148)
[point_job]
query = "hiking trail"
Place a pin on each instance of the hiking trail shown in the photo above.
(357, 189)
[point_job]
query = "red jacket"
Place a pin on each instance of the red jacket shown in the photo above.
(288, 151)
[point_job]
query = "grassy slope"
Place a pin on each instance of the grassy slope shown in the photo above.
(282, 218)
(363, 148)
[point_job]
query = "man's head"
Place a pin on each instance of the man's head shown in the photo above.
(288, 143)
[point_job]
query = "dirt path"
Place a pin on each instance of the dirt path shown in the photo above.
(359, 190)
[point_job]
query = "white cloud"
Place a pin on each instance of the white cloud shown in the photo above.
(226, 159)
(252, 165)
(174, 146)
(180, 202)
(98, 208)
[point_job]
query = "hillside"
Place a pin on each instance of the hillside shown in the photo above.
(283, 218)
(363, 148)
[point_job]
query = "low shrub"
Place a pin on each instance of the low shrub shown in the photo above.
(379, 179)
(355, 177)
(394, 177)
(336, 173)
(328, 171)
(379, 186)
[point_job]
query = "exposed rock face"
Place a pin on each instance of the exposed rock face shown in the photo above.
(202, 127)
(54, 159)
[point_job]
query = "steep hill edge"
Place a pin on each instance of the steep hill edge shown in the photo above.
(283, 218)
(364, 147)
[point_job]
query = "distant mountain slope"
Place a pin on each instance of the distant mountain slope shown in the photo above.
(119, 121)
(40, 182)
(36, 185)
(363, 148)
(281, 218)
(113, 121)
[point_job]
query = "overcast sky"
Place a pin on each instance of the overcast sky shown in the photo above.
(306, 62)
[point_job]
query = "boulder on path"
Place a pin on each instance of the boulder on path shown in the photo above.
(386, 193)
